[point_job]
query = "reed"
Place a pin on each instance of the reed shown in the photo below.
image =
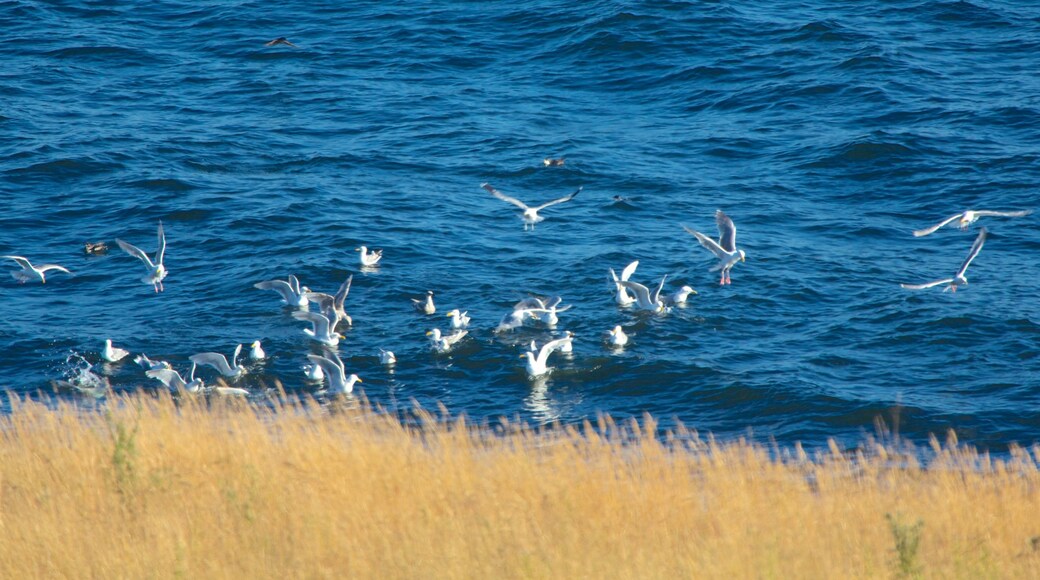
(158, 488)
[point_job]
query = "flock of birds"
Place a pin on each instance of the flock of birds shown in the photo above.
(331, 315)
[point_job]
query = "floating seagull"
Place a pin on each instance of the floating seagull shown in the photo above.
(30, 272)
(445, 343)
(313, 372)
(156, 270)
(280, 40)
(219, 362)
(335, 371)
(679, 297)
(149, 364)
(424, 306)
(645, 299)
(174, 381)
(332, 305)
(257, 352)
(959, 279)
(969, 217)
(725, 249)
(568, 347)
(292, 293)
(459, 319)
(621, 296)
(387, 357)
(530, 215)
(321, 328)
(369, 258)
(537, 364)
(514, 320)
(550, 162)
(617, 337)
(544, 309)
(112, 354)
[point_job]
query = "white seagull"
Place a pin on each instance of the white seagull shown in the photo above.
(680, 296)
(387, 357)
(369, 258)
(257, 352)
(514, 320)
(725, 249)
(959, 279)
(621, 296)
(30, 272)
(220, 362)
(174, 381)
(111, 353)
(568, 347)
(149, 364)
(544, 309)
(292, 293)
(966, 218)
(425, 306)
(313, 372)
(537, 364)
(335, 371)
(617, 337)
(530, 215)
(459, 319)
(332, 305)
(645, 299)
(444, 343)
(321, 328)
(156, 270)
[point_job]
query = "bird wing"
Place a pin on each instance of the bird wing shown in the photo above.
(455, 337)
(549, 347)
(727, 231)
(234, 357)
(560, 200)
(294, 283)
(487, 187)
(136, 252)
(213, 359)
(629, 270)
(986, 212)
(529, 303)
(344, 290)
(975, 249)
(47, 267)
(926, 284)
(642, 292)
(655, 297)
(708, 243)
(280, 286)
(24, 263)
(329, 367)
(321, 325)
(928, 230)
(169, 377)
(161, 252)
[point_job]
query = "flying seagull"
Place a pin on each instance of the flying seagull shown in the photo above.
(30, 272)
(156, 270)
(965, 219)
(959, 278)
(530, 215)
(725, 249)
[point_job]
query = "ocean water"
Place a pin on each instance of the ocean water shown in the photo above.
(827, 131)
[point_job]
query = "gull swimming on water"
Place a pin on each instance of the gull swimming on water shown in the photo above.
(321, 328)
(425, 306)
(220, 362)
(621, 296)
(335, 371)
(530, 215)
(537, 365)
(313, 372)
(514, 320)
(174, 381)
(544, 309)
(292, 293)
(257, 352)
(959, 279)
(111, 353)
(387, 357)
(459, 319)
(645, 299)
(966, 218)
(156, 270)
(725, 249)
(332, 305)
(30, 272)
(617, 337)
(444, 343)
(679, 297)
(369, 258)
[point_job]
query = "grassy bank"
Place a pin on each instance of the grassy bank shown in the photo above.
(155, 490)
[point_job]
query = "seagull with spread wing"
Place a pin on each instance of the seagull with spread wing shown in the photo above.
(30, 272)
(959, 279)
(156, 270)
(530, 215)
(725, 249)
(966, 218)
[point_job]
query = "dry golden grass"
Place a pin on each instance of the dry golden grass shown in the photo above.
(153, 489)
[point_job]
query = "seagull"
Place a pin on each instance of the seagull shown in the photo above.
(514, 320)
(292, 293)
(959, 278)
(369, 258)
(335, 371)
(536, 364)
(645, 299)
(622, 297)
(530, 215)
(149, 364)
(219, 362)
(280, 40)
(156, 270)
(444, 343)
(617, 337)
(678, 298)
(544, 309)
(111, 353)
(550, 162)
(30, 272)
(459, 319)
(725, 249)
(257, 352)
(313, 372)
(969, 217)
(387, 357)
(424, 306)
(568, 347)
(332, 305)
(321, 328)
(174, 381)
